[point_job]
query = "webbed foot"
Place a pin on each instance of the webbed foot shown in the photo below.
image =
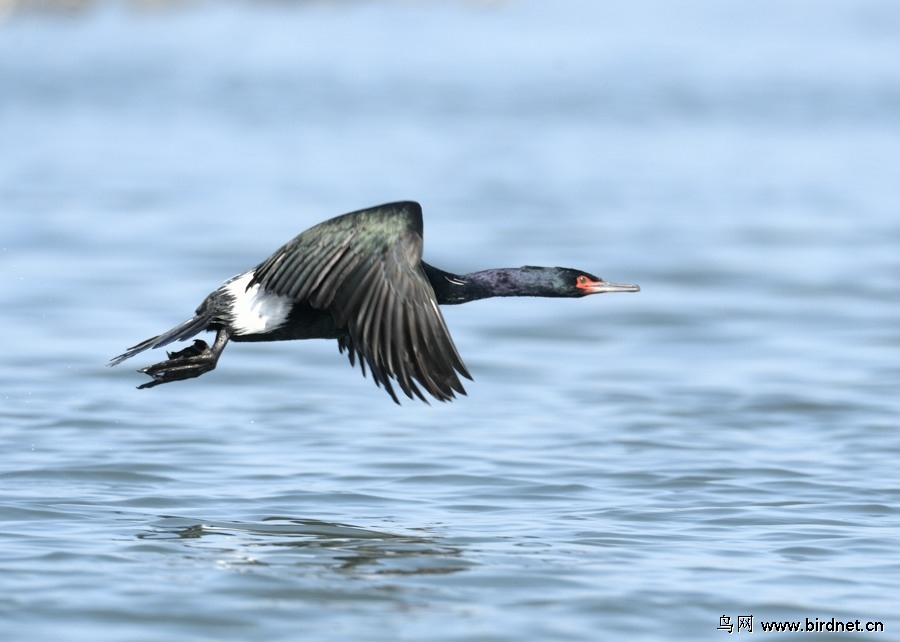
(195, 360)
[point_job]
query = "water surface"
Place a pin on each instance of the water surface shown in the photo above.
(724, 442)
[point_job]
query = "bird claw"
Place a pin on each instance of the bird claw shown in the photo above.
(196, 349)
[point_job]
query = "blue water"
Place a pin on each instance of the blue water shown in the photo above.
(636, 466)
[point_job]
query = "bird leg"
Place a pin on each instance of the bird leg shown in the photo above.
(193, 361)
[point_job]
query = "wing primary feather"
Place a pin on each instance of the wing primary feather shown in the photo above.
(336, 256)
(346, 301)
(438, 368)
(390, 341)
(383, 300)
(427, 366)
(335, 282)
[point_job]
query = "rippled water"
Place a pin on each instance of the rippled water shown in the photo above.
(723, 443)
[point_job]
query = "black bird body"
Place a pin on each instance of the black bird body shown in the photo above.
(358, 278)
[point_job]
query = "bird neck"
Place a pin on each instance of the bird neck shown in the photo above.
(452, 288)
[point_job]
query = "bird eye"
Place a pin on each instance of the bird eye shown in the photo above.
(581, 280)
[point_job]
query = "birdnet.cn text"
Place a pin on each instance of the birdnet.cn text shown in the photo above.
(745, 624)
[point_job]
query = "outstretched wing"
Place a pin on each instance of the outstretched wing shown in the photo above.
(365, 268)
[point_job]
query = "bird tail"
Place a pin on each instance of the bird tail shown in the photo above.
(180, 332)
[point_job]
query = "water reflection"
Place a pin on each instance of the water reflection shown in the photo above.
(342, 547)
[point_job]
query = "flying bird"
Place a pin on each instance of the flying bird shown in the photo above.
(358, 278)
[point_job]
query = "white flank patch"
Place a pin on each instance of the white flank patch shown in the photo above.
(255, 312)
